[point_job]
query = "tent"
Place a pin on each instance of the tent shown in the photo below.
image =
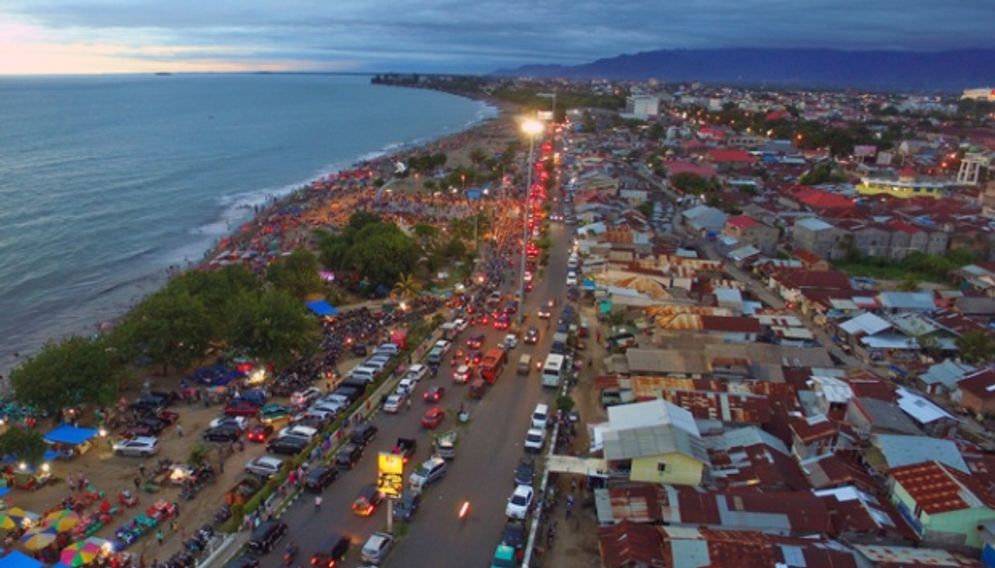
(322, 308)
(70, 435)
(17, 559)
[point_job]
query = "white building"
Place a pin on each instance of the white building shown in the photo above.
(642, 106)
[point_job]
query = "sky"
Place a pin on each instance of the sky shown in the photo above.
(129, 36)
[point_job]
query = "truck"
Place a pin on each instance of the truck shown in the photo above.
(492, 364)
(405, 447)
(445, 444)
(559, 346)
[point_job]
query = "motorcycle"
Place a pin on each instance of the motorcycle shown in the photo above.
(289, 554)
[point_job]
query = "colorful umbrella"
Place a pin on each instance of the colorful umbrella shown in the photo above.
(20, 517)
(38, 538)
(62, 521)
(80, 553)
(7, 523)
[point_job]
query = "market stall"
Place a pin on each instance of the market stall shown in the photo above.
(69, 441)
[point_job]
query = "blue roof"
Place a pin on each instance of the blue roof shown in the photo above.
(66, 434)
(322, 308)
(18, 559)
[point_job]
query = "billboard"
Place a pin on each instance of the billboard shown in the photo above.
(390, 474)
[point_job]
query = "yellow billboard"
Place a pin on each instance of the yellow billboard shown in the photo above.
(390, 474)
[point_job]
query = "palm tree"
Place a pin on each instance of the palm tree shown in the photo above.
(406, 286)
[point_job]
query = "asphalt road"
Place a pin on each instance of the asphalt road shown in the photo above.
(490, 447)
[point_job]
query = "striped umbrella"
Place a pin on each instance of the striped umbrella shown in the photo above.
(80, 553)
(20, 517)
(7, 523)
(38, 538)
(62, 521)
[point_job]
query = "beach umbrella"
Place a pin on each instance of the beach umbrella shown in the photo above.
(62, 521)
(38, 538)
(79, 553)
(16, 517)
(7, 523)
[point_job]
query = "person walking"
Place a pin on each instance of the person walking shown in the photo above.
(317, 502)
(159, 536)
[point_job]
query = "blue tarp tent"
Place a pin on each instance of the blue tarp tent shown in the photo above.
(322, 308)
(66, 434)
(18, 559)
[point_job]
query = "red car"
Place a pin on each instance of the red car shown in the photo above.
(473, 358)
(434, 394)
(484, 319)
(433, 417)
(241, 408)
(475, 342)
(260, 433)
(501, 322)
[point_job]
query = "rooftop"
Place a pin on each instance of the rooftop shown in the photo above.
(938, 488)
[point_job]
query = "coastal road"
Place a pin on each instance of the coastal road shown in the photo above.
(489, 449)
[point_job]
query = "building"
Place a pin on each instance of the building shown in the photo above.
(703, 219)
(656, 442)
(814, 234)
(946, 507)
(748, 231)
(979, 94)
(642, 106)
(942, 378)
(977, 391)
(906, 185)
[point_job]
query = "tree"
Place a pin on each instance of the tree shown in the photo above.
(646, 208)
(406, 286)
(477, 157)
(75, 371)
(217, 290)
(977, 347)
(297, 274)
(929, 345)
(454, 249)
(171, 327)
(424, 232)
(28, 445)
(271, 325)
(909, 284)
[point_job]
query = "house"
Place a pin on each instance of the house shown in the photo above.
(641, 107)
(945, 506)
(977, 391)
(751, 457)
(732, 329)
(819, 237)
(815, 435)
(791, 283)
(810, 260)
(893, 302)
(942, 378)
(897, 450)
(929, 417)
(748, 231)
(656, 442)
(703, 220)
(872, 416)
(890, 556)
(731, 159)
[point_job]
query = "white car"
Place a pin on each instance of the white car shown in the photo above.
(305, 432)
(519, 503)
(394, 403)
(389, 348)
(416, 372)
(331, 406)
(510, 341)
(540, 416)
(240, 421)
(406, 386)
(376, 548)
(462, 374)
(443, 346)
(141, 446)
(264, 466)
(535, 438)
(572, 279)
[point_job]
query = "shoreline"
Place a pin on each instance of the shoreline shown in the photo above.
(298, 196)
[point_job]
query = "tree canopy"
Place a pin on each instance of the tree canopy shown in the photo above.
(28, 445)
(75, 371)
(370, 250)
(977, 347)
(297, 274)
(273, 326)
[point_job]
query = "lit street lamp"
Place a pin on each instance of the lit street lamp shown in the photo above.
(532, 129)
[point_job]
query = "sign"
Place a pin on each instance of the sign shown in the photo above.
(390, 474)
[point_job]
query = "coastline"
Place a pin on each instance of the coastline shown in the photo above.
(258, 207)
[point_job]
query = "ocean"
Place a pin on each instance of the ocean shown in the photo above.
(106, 182)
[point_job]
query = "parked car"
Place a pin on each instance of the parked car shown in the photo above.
(272, 413)
(347, 457)
(333, 548)
(405, 447)
(239, 422)
(142, 447)
(540, 416)
(264, 466)
(223, 433)
(367, 500)
(319, 478)
(406, 386)
(525, 473)
(245, 560)
(305, 397)
(266, 535)
(406, 507)
(241, 408)
(431, 470)
(520, 502)
(287, 445)
(534, 440)
(416, 372)
(433, 417)
(395, 403)
(434, 394)
(362, 434)
(299, 431)
(377, 547)
(389, 348)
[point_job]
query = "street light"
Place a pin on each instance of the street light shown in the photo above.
(531, 128)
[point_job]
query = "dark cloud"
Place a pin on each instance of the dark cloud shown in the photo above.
(484, 34)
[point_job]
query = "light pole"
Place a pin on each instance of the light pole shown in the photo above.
(531, 128)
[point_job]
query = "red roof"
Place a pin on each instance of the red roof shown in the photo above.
(733, 324)
(806, 256)
(824, 279)
(804, 512)
(937, 488)
(629, 544)
(775, 115)
(731, 155)
(742, 222)
(681, 167)
(812, 429)
(980, 383)
(903, 226)
(818, 199)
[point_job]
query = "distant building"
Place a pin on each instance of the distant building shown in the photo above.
(980, 94)
(642, 106)
(814, 234)
(748, 231)
(906, 185)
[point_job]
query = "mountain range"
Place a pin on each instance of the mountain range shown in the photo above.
(949, 71)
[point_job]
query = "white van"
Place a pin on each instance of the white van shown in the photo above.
(363, 373)
(540, 416)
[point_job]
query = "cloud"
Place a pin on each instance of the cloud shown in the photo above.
(457, 35)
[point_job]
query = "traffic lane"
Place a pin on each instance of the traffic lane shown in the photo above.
(492, 445)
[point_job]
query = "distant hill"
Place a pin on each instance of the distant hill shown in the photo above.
(876, 70)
